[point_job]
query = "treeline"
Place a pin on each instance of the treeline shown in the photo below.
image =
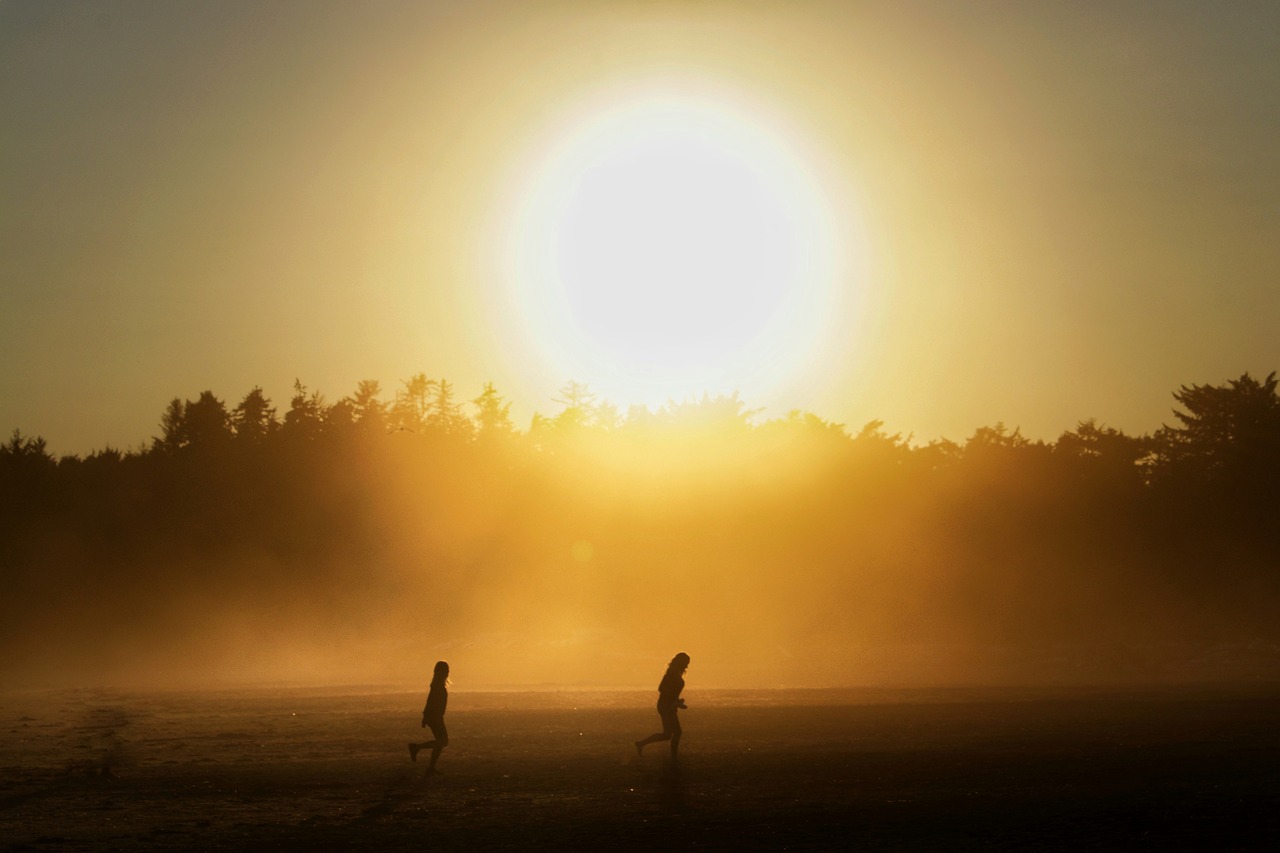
(788, 550)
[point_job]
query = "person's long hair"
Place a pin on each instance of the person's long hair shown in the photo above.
(678, 664)
(441, 676)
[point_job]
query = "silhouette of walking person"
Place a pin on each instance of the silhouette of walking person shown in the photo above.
(669, 705)
(433, 717)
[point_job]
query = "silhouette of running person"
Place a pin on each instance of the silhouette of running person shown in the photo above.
(433, 717)
(669, 705)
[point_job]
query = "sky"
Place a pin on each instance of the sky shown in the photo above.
(940, 215)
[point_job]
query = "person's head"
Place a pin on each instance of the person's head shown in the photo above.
(679, 663)
(441, 673)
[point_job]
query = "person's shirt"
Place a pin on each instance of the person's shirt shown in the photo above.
(437, 699)
(669, 688)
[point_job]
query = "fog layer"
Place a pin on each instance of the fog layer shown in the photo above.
(364, 540)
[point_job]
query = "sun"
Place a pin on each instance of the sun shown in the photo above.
(668, 245)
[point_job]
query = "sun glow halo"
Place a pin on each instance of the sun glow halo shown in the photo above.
(667, 246)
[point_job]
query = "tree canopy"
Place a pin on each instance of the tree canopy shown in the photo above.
(792, 546)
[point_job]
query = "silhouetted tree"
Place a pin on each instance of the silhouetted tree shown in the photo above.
(412, 405)
(722, 413)
(579, 406)
(445, 413)
(254, 418)
(994, 438)
(306, 416)
(340, 418)
(369, 411)
(206, 421)
(1230, 434)
(877, 449)
(1103, 455)
(863, 538)
(810, 443)
(940, 454)
(606, 416)
(173, 433)
(24, 461)
(20, 447)
(493, 414)
(203, 422)
(808, 422)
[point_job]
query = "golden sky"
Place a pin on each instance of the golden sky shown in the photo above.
(941, 215)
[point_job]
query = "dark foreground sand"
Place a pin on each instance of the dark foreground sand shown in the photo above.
(295, 769)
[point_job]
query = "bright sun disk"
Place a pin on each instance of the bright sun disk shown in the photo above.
(667, 246)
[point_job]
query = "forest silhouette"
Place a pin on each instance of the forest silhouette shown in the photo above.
(357, 539)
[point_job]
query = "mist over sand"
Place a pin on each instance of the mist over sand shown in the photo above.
(587, 551)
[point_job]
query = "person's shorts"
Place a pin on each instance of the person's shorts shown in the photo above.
(436, 724)
(670, 719)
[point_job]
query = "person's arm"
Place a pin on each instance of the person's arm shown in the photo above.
(426, 709)
(437, 699)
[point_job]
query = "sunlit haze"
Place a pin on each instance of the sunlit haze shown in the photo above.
(834, 343)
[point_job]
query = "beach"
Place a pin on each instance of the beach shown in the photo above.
(307, 768)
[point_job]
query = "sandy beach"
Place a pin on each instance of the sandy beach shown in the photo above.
(295, 769)
(328, 769)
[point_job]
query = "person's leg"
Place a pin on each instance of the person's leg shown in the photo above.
(675, 736)
(665, 734)
(437, 745)
(641, 744)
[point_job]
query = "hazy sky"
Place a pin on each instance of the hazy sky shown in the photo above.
(1039, 212)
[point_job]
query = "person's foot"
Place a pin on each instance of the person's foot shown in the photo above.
(639, 748)
(413, 752)
(431, 771)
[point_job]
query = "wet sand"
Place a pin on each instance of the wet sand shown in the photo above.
(310, 769)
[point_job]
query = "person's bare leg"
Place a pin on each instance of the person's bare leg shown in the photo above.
(436, 748)
(415, 748)
(641, 744)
